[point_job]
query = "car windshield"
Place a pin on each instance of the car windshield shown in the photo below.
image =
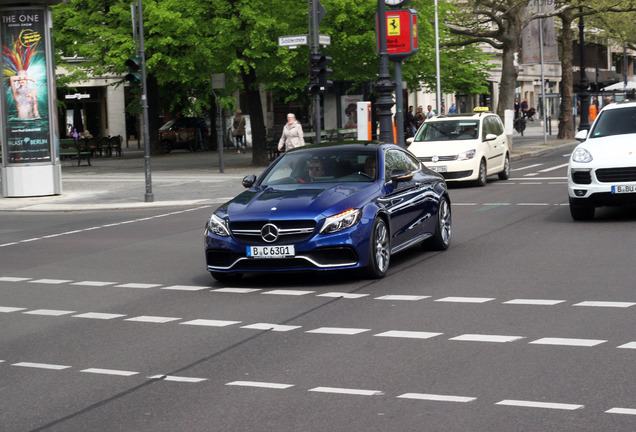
(323, 165)
(619, 121)
(167, 125)
(448, 130)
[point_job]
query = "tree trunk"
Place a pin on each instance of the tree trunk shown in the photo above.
(511, 45)
(566, 120)
(255, 110)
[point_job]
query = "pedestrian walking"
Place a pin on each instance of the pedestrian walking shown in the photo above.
(292, 134)
(430, 113)
(239, 131)
(452, 109)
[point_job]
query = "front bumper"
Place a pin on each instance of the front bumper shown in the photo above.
(597, 186)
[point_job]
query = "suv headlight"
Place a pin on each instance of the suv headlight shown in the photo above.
(467, 155)
(218, 226)
(581, 155)
(341, 221)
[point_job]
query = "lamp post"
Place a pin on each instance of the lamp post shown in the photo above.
(384, 85)
(584, 96)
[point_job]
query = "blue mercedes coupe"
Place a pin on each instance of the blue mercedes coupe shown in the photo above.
(330, 207)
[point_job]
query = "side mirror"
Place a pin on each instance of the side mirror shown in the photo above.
(249, 180)
(409, 140)
(581, 135)
(490, 137)
(400, 176)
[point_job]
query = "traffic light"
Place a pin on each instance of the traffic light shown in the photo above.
(135, 74)
(325, 71)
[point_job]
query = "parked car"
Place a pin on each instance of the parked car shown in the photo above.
(326, 207)
(602, 168)
(464, 147)
(189, 133)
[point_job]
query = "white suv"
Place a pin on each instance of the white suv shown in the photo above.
(602, 169)
(463, 147)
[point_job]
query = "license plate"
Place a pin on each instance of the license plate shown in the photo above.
(282, 251)
(437, 168)
(623, 189)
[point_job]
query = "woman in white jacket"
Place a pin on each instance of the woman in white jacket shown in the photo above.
(292, 134)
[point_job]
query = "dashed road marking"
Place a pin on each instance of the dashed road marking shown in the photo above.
(288, 292)
(606, 304)
(568, 342)
(272, 327)
(49, 312)
(268, 385)
(535, 404)
(437, 397)
(338, 330)
(629, 411)
(152, 319)
(408, 334)
(210, 323)
(347, 391)
(486, 338)
(41, 365)
(534, 302)
(98, 315)
(109, 372)
(465, 299)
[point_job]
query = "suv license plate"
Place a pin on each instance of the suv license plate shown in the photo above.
(438, 169)
(283, 251)
(623, 189)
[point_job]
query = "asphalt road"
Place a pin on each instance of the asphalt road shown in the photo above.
(110, 322)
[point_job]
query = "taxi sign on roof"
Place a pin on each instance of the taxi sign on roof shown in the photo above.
(481, 109)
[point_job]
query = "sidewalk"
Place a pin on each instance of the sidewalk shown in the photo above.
(183, 179)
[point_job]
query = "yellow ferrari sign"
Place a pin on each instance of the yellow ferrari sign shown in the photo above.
(393, 26)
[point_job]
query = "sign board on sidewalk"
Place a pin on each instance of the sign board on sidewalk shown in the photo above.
(324, 39)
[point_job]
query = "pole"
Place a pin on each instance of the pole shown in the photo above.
(149, 197)
(584, 96)
(545, 124)
(399, 112)
(384, 85)
(315, 46)
(439, 89)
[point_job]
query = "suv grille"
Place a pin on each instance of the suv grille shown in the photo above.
(612, 175)
(289, 231)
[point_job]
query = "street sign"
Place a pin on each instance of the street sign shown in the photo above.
(292, 41)
(324, 40)
(218, 81)
(77, 96)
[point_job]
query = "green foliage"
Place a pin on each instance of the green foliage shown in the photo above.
(188, 40)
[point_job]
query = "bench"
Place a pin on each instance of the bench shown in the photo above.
(70, 148)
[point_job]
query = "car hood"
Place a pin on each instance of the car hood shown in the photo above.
(442, 148)
(618, 150)
(297, 201)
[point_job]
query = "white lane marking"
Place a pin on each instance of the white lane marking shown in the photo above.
(465, 204)
(98, 315)
(402, 297)
(531, 174)
(630, 345)
(272, 327)
(535, 302)
(258, 384)
(534, 204)
(210, 323)
(41, 365)
(408, 334)
(9, 244)
(185, 288)
(7, 309)
(465, 299)
(525, 167)
(289, 292)
(534, 404)
(137, 285)
(48, 312)
(50, 281)
(236, 290)
(486, 338)
(342, 295)
(337, 390)
(606, 304)
(524, 180)
(109, 372)
(177, 378)
(152, 319)
(629, 411)
(436, 397)
(568, 342)
(554, 168)
(94, 283)
(338, 330)
(13, 279)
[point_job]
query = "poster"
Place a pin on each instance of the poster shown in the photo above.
(349, 110)
(25, 85)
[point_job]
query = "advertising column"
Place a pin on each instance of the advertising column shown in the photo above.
(30, 166)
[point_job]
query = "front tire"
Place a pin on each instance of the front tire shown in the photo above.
(505, 174)
(481, 177)
(580, 212)
(379, 250)
(443, 229)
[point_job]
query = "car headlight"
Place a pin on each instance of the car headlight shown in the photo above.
(218, 226)
(341, 221)
(467, 155)
(581, 155)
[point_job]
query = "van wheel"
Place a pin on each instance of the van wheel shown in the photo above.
(581, 213)
(481, 177)
(505, 174)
